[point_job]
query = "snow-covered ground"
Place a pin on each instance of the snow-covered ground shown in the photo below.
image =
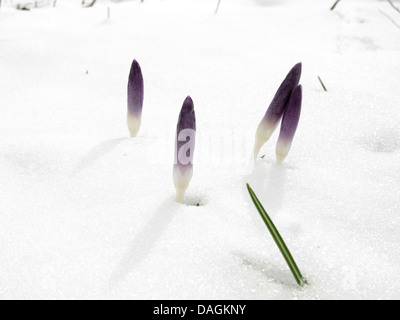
(86, 212)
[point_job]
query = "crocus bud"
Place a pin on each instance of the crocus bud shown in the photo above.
(135, 99)
(184, 148)
(289, 125)
(275, 111)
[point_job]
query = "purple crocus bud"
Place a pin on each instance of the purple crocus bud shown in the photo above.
(289, 125)
(184, 148)
(135, 99)
(275, 111)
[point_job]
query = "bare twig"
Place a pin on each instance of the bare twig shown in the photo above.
(219, 3)
(394, 7)
(322, 84)
(390, 18)
(91, 4)
(334, 5)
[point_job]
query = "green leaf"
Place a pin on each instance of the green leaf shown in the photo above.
(278, 239)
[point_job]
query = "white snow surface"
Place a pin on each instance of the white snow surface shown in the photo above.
(88, 213)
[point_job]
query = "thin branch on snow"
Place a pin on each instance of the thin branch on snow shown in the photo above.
(90, 4)
(322, 84)
(394, 7)
(390, 18)
(334, 5)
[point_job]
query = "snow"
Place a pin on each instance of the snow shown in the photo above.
(86, 212)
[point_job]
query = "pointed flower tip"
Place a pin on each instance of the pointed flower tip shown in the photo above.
(135, 63)
(188, 105)
(188, 101)
(297, 69)
(135, 71)
(297, 95)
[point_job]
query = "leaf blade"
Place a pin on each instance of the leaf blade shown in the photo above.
(278, 239)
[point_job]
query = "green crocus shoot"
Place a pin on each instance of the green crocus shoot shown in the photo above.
(278, 239)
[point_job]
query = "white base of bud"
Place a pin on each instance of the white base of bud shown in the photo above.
(134, 123)
(282, 150)
(182, 178)
(257, 146)
(263, 134)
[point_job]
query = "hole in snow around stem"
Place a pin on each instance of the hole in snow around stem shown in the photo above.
(193, 201)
